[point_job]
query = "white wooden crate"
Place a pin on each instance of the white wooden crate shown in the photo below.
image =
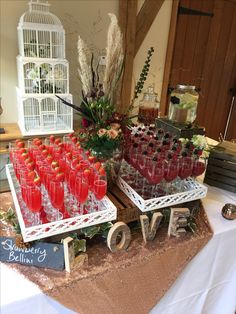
(108, 213)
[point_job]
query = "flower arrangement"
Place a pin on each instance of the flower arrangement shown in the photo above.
(199, 144)
(102, 124)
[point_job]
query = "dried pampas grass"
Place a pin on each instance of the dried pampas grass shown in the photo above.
(114, 60)
(85, 70)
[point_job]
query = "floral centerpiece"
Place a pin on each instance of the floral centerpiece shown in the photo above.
(102, 125)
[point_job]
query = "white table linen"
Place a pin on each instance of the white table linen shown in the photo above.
(208, 284)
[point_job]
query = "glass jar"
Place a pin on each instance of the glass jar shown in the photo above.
(183, 104)
(148, 106)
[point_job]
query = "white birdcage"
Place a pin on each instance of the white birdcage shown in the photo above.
(43, 72)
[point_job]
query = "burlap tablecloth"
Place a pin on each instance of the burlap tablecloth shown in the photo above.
(130, 282)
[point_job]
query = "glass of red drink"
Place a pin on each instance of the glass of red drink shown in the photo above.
(198, 168)
(34, 202)
(155, 174)
(100, 186)
(81, 193)
(185, 170)
(171, 173)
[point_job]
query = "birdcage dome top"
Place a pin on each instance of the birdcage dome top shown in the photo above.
(39, 13)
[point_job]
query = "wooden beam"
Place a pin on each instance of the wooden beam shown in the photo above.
(169, 55)
(145, 18)
(127, 19)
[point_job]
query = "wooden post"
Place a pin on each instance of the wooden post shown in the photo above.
(127, 19)
(118, 228)
(178, 221)
(149, 230)
(169, 55)
(145, 18)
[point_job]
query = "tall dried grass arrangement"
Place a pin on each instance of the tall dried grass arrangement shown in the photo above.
(85, 71)
(114, 60)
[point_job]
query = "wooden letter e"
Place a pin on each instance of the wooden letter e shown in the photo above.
(149, 231)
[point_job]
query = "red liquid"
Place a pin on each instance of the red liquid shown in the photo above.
(186, 168)
(81, 190)
(72, 176)
(156, 174)
(91, 178)
(100, 189)
(34, 200)
(171, 172)
(57, 195)
(185, 173)
(198, 168)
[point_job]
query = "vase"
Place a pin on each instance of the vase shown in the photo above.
(111, 163)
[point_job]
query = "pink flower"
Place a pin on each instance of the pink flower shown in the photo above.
(101, 132)
(112, 133)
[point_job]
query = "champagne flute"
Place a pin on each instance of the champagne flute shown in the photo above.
(171, 173)
(57, 199)
(198, 168)
(100, 186)
(99, 191)
(155, 175)
(185, 170)
(81, 193)
(34, 202)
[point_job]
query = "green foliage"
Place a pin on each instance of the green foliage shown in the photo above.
(143, 74)
(98, 111)
(102, 230)
(102, 146)
(79, 245)
(9, 216)
(17, 228)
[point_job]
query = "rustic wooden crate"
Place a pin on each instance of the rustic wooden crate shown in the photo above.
(221, 168)
(126, 210)
(179, 129)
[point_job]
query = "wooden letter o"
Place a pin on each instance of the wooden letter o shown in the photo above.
(119, 227)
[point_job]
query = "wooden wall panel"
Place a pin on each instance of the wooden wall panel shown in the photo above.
(204, 56)
(202, 40)
(216, 96)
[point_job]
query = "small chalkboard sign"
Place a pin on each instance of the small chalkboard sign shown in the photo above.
(40, 254)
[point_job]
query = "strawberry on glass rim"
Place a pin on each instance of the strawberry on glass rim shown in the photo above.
(97, 165)
(91, 159)
(37, 181)
(52, 138)
(30, 165)
(102, 171)
(87, 152)
(32, 175)
(74, 139)
(54, 164)
(60, 177)
(57, 141)
(57, 169)
(49, 158)
(87, 172)
(20, 144)
(45, 153)
(38, 142)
